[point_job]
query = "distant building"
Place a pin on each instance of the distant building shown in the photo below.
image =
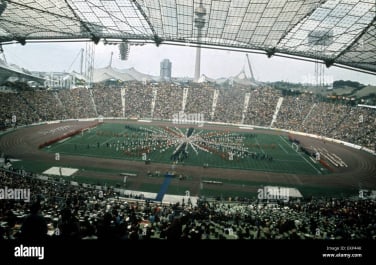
(166, 70)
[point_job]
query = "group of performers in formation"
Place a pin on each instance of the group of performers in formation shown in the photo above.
(143, 141)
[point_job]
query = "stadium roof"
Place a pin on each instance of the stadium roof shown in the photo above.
(339, 32)
(8, 72)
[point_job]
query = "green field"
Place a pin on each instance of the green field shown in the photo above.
(271, 153)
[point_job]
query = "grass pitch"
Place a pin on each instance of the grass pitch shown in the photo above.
(251, 151)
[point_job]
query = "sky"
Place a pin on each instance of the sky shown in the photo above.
(146, 59)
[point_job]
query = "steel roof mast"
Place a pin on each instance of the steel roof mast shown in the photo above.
(250, 68)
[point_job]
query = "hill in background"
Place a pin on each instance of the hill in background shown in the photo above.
(365, 94)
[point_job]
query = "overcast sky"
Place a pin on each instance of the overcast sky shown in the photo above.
(214, 63)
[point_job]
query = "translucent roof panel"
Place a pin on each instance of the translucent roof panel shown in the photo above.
(330, 28)
(37, 19)
(336, 31)
(114, 19)
(361, 53)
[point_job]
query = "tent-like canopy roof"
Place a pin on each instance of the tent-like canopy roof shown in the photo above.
(108, 73)
(240, 79)
(335, 31)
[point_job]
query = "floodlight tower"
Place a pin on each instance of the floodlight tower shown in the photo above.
(89, 63)
(200, 12)
(81, 61)
(320, 40)
(110, 63)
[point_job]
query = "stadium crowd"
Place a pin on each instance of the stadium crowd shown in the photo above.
(108, 101)
(261, 106)
(197, 100)
(303, 112)
(168, 101)
(230, 106)
(58, 209)
(138, 101)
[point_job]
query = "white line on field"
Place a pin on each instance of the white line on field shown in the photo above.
(283, 149)
(318, 171)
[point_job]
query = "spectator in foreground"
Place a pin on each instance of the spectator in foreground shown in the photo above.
(34, 227)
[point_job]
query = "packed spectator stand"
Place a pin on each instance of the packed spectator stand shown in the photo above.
(303, 112)
(82, 212)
